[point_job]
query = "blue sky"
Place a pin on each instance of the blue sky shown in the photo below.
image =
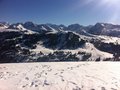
(66, 12)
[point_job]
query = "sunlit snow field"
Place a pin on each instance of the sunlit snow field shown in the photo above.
(60, 76)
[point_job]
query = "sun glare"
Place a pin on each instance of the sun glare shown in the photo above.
(111, 2)
(112, 6)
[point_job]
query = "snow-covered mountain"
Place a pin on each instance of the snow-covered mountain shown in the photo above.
(4, 25)
(29, 42)
(97, 29)
(105, 29)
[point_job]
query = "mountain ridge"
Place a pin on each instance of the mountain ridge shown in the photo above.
(29, 42)
(107, 29)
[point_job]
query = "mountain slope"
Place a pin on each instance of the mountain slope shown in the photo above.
(97, 29)
(23, 47)
(31, 42)
(106, 29)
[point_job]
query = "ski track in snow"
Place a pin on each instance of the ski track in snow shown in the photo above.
(60, 76)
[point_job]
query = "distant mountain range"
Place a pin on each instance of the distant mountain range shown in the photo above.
(97, 29)
(30, 42)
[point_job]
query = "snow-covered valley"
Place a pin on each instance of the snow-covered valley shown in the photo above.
(60, 76)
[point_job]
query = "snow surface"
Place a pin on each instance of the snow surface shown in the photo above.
(60, 76)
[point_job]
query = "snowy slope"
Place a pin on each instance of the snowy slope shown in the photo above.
(51, 46)
(3, 25)
(24, 42)
(108, 39)
(88, 48)
(60, 76)
(105, 29)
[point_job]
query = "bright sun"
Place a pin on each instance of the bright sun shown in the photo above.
(111, 2)
(110, 6)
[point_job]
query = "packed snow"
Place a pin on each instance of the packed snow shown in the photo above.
(60, 76)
